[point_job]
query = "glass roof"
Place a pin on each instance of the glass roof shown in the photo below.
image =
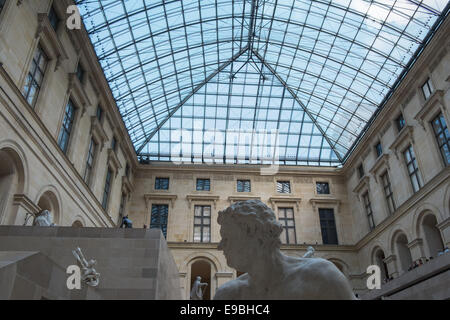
(254, 81)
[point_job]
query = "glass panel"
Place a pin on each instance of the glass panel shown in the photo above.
(316, 72)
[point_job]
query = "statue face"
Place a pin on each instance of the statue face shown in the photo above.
(236, 246)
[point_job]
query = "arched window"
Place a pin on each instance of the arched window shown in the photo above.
(431, 235)
(379, 261)
(404, 254)
(202, 268)
(11, 183)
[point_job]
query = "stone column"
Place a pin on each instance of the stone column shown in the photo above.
(417, 250)
(183, 285)
(444, 227)
(391, 262)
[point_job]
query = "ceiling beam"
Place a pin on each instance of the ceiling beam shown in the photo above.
(294, 95)
(198, 87)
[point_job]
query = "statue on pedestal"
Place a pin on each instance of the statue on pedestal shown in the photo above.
(88, 274)
(44, 219)
(126, 223)
(196, 292)
(251, 243)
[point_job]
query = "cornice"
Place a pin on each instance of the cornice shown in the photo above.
(153, 196)
(275, 200)
(200, 197)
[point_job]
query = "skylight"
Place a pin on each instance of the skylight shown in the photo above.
(290, 81)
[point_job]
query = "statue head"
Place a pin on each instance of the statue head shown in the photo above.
(248, 228)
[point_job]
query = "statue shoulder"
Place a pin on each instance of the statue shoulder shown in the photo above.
(231, 289)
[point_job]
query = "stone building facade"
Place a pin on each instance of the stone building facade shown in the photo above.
(64, 147)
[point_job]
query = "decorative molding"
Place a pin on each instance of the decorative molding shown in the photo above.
(406, 134)
(274, 200)
(50, 40)
(363, 182)
(232, 199)
(113, 161)
(79, 94)
(224, 275)
(424, 112)
(391, 258)
(415, 242)
(98, 133)
(26, 203)
(198, 197)
(381, 163)
(127, 186)
(315, 202)
(444, 224)
(164, 197)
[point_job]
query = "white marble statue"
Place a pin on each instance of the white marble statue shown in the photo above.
(309, 252)
(196, 292)
(251, 243)
(44, 219)
(88, 274)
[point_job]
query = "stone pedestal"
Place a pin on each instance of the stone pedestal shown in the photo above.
(133, 263)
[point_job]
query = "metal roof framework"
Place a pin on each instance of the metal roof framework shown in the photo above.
(255, 81)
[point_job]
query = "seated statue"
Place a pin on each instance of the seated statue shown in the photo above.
(43, 219)
(251, 243)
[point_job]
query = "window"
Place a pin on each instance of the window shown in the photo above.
(90, 161)
(80, 72)
(114, 143)
(443, 137)
(2, 4)
(388, 192)
(400, 122)
(427, 89)
(127, 170)
(413, 170)
(53, 18)
(378, 149)
(286, 218)
(203, 184)
(360, 171)
(123, 200)
(159, 217)
(243, 186)
(328, 226)
(162, 184)
(283, 187)
(368, 208)
(107, 189)
(99, 113)
(322, 188)
(66, 129)
(35, 76)
(202, 224)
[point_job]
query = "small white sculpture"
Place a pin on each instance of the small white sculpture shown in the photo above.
(251, 243)
(88, 274)
(309, 252)
(196, 292)
(44, 219)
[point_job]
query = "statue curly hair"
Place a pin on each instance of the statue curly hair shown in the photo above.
(256, 219)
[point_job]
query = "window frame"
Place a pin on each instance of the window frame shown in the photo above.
(158, 180)
(202, 225)
(443, 130)
(416, 172)
(283, 183)
(430, 88)
(284, 220)
(368, 210)
(165, 218)
(63, 129)
(32, 71)
(244, 183)
(327, 227)
(388, 193)
(107, 188)
(322, 183)
(90, 161)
